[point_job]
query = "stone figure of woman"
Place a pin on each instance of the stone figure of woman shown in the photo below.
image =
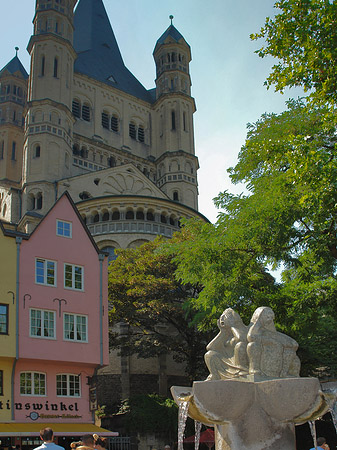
(226, 355)
(270, 353)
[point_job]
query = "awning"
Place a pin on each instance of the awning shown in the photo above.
(60, 429)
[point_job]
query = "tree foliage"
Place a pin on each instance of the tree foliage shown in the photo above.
(303, 37)
(150, 414)
(285, 219)
(144, 293)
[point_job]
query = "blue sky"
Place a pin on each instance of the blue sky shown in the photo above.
(227, 76)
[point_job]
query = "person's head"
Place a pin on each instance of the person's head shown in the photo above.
(229, 318)
(265, 316)
(321, 441)
(46, 434)
(88, 440)
(100, 442)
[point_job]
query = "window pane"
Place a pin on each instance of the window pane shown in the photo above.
(35, 322)
(48, 324)
(25, 383)
(3, 319)
(78, 277)
(39, 271)
(69, 326)
(68, 275)
(50, 272)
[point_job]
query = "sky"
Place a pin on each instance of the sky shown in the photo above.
(227, 76)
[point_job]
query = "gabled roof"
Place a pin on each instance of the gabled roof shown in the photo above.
(13, 67)
(98, 53)
(67, 195)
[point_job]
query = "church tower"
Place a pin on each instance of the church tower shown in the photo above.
(13, 95)
(177, 164)
(49, 121)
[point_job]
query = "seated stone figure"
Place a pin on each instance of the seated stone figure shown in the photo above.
(270, 353)
(227, 355)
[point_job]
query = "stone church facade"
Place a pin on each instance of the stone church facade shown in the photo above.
(81, 122)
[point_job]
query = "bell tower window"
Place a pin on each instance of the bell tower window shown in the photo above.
(114, 124)
(76, 108)
(55, 67)
(13, 158)
(37, 152)
(173, 120)
(86, 112)
(43, 63)
(132, 130)
(140, 134)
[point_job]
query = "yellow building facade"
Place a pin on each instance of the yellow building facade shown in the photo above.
(8, 303)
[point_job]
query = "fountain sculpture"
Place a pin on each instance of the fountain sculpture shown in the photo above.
(254, 395)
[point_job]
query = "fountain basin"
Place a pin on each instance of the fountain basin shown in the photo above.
(254, 415)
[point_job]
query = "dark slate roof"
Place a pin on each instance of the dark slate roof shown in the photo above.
(14, 66)
(173, 33)
(98, 55)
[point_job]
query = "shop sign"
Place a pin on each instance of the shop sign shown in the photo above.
(45, 410)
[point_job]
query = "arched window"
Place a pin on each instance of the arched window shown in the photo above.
(105, 216)
(175, 196)
(114, 123)
(115, 215)
(132, 130)
(43, 63)
(150, 216)
(76, 150)
(76, 108)
(111, 161)
(173, 120)
(95, 219)
(39, 201)
(2, 149)
(163, 218)
(172, 221)
(140, 133)
(84, 152)
(13, 157)
(37, 152)
(130, 215)
(139, 215)
(86, 112)
(56, 63)
(105, 120)
(184, 121)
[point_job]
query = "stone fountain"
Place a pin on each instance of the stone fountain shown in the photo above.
(254, 395)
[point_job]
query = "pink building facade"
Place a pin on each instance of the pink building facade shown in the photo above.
(63, 321)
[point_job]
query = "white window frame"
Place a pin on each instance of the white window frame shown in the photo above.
(45, 271)
(33, 391)
(73, 277)
(43, 313)
(75, 316)
(68, 383)
(61, 233)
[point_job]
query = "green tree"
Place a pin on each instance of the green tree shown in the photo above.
(285, 219)
(144, 293)
(303, 37)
